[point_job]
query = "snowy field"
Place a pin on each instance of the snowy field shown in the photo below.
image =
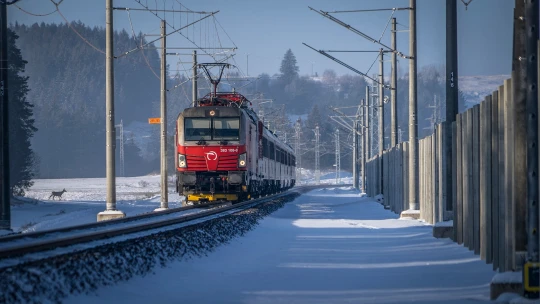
(331, 245)
(85, 197)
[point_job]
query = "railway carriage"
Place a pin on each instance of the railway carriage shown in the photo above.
(224, 152)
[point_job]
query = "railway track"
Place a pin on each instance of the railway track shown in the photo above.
(14, 246)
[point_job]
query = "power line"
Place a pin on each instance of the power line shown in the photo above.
(342, 63)
(75, 31)
(33, 14)
(172, 26)
(175, 31)
(158, 10)
(373, 10)
(142, 52)
(352, 29)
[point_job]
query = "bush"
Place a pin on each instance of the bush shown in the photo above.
(143, 183)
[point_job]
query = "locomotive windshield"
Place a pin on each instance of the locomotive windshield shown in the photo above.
(197, 129)
(217, 128)
(226, 128)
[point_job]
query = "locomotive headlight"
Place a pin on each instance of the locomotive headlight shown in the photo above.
(242, 160)
(182, 161)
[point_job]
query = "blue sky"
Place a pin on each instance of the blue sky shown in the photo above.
(266, 29)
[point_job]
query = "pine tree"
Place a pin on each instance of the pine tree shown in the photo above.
(289, 69)
(22, 160)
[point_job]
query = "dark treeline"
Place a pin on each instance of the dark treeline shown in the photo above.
(67, 88)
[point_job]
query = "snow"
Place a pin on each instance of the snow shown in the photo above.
(476, 88)
(449, 223)
(508, 277)
(84, 199)
(332, 245)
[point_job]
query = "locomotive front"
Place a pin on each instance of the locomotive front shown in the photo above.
(211, 159)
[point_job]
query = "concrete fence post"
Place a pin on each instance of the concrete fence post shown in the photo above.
(441, 172)
(467, 195)
(495, 178)
(509, 172)
(502, 181)
(421, 178)
(405, 185)
(460, 180)
(435, 146)
(476, 178)
(455, 180)
(485, 181)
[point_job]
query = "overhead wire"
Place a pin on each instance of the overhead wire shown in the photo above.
(75, 31)
(34, 14)
(179, 32)
(387, 23)
(168, 34)
(141, 45)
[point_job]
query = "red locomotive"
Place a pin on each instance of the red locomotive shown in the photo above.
(224, 152)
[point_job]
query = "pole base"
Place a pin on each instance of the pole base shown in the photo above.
(160, 209)
(110, 215)
(415, 214)
(506, 282)
(443, 230)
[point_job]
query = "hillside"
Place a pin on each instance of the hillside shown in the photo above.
(475, 88)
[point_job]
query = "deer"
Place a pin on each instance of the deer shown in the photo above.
(59, 194)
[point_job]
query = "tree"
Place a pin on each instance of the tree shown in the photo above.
(329, 77)
(21, 122)
(68, 91)
(289, 70)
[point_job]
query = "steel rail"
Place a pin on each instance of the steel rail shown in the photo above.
(85, 236)
(38, 234)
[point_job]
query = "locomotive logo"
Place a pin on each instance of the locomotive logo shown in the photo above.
(211, 155)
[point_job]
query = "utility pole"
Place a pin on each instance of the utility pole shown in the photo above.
(317, 155)
(413, 124)
(364, 144)
(531, 48)
(338, 160)
(111, 212)
(367, 119)
(5, 216)
(451, 92)
(121, 141)
(194, 80)
(164, 181)
(355, 154)
(381, 116)
(393, 89)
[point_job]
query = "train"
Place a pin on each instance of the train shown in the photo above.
(224, 152)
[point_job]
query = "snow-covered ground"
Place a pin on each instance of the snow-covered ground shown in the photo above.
(85, 197)
(332, 245)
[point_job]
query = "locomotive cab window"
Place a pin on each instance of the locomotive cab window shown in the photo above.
(226, 128)
(197, 129)
(217, 128)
